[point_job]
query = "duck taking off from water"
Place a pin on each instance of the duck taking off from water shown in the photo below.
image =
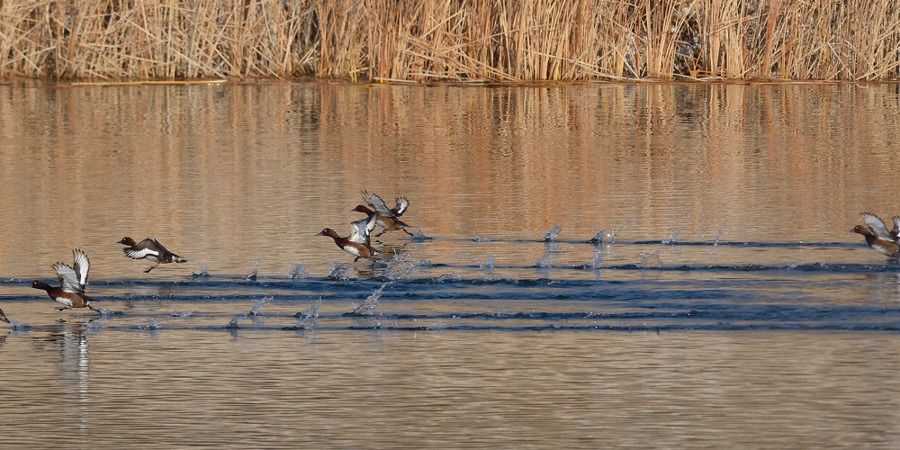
(357, 243)
(877, 235)
(149, 249)
(387, 218)
(73, 281)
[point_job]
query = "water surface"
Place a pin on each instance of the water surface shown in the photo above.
(725, 305)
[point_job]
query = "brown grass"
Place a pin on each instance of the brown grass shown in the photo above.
(451, 40)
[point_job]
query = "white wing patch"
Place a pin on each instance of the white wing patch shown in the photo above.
(68, 278)
(81, 267)
(402, 204)
(358, 232)
(142, 253)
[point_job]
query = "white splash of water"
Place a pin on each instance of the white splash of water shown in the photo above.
(597, 262)
(716, 242)
(153, 325)
(609, 236)
(673, 236)
(236, 320)
(202, 272)
(367, 307)
(186, 315)
(543, 262)
(255, 271)
(647, 257)
(260, 304)
(339, 271)
(479, 238)
(487, 266)
(418, 236)
(298, 271)
(553, 233)
(401, 266)
(448, 277)
(307, 320)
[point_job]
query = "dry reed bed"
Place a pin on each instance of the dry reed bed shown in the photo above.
(452, 40)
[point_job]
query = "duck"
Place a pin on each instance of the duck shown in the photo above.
(387, 218)
(149, 249)
(73, 283)
(877, 235)
(358, 242)
(361, 230)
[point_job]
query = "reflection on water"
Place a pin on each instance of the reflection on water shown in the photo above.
(656, 266)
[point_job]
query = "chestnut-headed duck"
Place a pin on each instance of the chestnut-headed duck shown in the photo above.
(388, 218)
(357, 243)
(877, 235)
(73, 282)
(149, 249)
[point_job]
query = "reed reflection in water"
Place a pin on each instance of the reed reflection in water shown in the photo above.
(731, 205)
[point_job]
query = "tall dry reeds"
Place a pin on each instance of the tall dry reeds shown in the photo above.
(452, 40)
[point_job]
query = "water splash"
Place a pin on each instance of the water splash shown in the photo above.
(235, 321)
(418, 236)
(487, 266)
(260, 304)
(186, 315)
(153, 325)
(339, 272)
(648, 257)
(553, 233)
(597, 263)
(609, 236)
(544, 262)
(367, 307)
(255, 272)
(716, 242)
(202, 272)
(479, 238)
(673, 236)
(403, 266)
(604, 237)
(307, 320)
(448, 278)
(298, 271)
(19, 327)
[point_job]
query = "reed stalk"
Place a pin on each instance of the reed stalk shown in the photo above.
(450, 40)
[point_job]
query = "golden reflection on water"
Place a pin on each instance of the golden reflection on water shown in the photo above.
(226, 175)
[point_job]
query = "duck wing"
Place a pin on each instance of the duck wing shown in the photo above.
(81, 267)
(895, 232)
(361, 229)
(377, 204)
(877, 226)
(144, 249)
(69, 278)
(402, 204)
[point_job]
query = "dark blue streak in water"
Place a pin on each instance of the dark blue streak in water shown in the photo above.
(678, 297)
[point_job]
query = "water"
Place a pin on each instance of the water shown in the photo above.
(594, 265)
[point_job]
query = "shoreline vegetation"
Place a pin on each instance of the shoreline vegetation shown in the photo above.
(451, 40)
